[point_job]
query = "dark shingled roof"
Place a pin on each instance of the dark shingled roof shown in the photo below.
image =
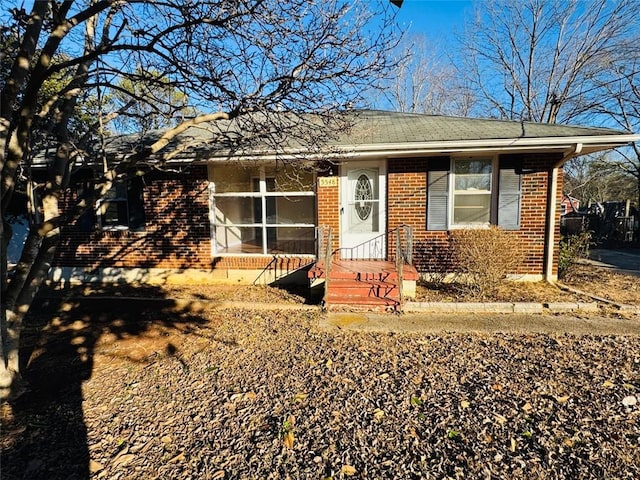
(379, 127)
(374, 132)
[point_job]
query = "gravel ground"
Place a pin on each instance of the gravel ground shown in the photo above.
(197, 394)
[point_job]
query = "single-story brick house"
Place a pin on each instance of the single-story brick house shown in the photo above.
(239, 219)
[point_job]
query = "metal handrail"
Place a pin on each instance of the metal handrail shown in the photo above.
(327, 265)
(405, 251)
(399, 265)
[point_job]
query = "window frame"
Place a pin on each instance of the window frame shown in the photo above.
(506, 193)
(263, 194)
(492, 193)
(123, 189)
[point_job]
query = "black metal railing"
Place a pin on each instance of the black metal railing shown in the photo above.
(376, 248)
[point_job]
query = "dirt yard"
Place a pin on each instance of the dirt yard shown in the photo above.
(165, 389)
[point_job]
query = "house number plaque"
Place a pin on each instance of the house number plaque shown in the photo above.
(328, 181)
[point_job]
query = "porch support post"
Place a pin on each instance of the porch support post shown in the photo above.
(550, 239)
(551, 225)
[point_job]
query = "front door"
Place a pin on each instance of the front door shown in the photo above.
(362, 210)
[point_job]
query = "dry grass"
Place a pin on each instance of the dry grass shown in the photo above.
(601, 282)
(503, 292)
(147, 390)
(159, 394)
(594, 280)
(605, 283)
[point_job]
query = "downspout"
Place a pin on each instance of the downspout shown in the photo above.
(551, 212)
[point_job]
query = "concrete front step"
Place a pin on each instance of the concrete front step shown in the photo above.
(362, 304)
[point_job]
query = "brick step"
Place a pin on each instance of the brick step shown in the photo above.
(359, 289)
(384, 272)
(360, 295)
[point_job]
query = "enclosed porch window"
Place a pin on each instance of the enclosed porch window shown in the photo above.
(262, 210)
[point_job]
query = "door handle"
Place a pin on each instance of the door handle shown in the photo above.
(341, 210)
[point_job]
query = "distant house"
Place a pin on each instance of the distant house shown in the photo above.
(569, 204)
(247, 218)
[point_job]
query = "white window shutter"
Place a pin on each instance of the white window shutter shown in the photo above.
(437, 200)
(509, 199)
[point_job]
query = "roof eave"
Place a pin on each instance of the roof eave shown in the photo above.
(568, 146)
(592, 143)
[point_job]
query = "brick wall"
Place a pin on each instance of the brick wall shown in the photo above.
(177, 233)
(328, 205)
(406, 200)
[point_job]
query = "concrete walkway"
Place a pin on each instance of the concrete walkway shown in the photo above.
(487, 323)
(623, 261)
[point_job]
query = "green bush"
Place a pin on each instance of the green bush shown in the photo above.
(572, 248)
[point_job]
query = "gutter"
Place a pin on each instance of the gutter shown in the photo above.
(367, 150)
(552, 195)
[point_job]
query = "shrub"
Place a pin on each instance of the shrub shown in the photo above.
(572, 248)
(484, 257)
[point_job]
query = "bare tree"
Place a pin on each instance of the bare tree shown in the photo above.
(270, 58)
(597, 179)
(623, 108)
(425, 81)
(540, 60)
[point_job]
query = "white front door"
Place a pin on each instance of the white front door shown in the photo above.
(362, 210)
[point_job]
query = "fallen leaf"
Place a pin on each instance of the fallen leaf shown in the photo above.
(178, 458)
(348, 470)
(329, 363)
(608, 384)
(501, 419)
(288, 439)
(123, 460)
(513, 445)
(300, 397)
(95, 466)
(378, 414)
(629, 401)
(465, 404)
(563, 399)
(567, 442)
(527, 407)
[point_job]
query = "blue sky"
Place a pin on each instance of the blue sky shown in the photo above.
(435, 18)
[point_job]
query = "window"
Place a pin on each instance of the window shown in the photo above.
(472, 192)
(262, 211)
(122, 208)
